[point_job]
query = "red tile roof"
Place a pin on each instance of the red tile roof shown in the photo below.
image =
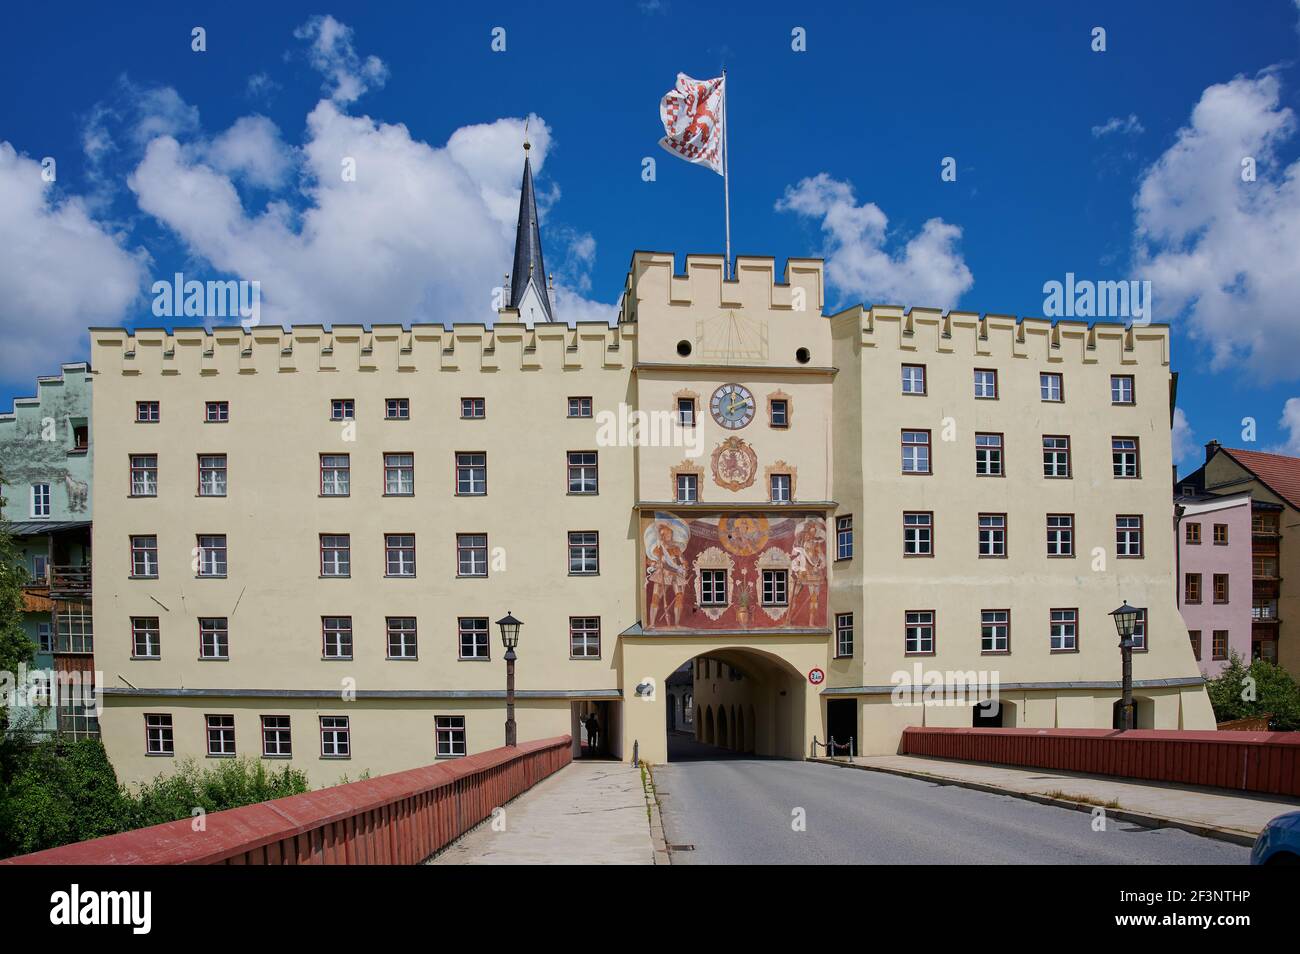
(1281, 473)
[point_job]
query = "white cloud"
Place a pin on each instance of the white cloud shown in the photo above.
(347, 75)
(1290, 421)
(928, 271)
(251, 149)
(1183, 437)
(1129, 125)
(1221, 251)
(59, 273)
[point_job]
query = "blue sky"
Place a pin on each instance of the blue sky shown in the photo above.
(1122, 164)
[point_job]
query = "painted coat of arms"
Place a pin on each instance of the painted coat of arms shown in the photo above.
(735, 465)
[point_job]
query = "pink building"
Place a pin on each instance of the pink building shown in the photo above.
(1215, 588)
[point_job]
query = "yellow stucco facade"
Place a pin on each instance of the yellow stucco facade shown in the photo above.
(711, 564)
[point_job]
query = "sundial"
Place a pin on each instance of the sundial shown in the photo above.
(731, 338)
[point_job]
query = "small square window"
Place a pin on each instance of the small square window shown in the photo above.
(335, 737)
(449, 732)
(686, 412)
(918, 534)
(221, 735)
(343, 409)
(780, 411)
(1220, 534)
(148, 412)
(144, 475)
(471, 554)
(584, 553)
(158, 738)
(584, 637)
(579, 407)
(993, 535)
(986, 384)
(397, 409)
(473, 409)
(401, 637)
(336, 637)
(474, 641)
(276, 741)
(1121, 389)
(914, 379)
(216, 412)
(1051, 387)
(1193, 533)
(780, 488)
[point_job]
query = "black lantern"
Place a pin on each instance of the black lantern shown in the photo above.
(509, 630)
(1126, 618)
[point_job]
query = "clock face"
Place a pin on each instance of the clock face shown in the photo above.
(732, 406)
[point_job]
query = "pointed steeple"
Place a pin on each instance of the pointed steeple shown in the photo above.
(529, 271)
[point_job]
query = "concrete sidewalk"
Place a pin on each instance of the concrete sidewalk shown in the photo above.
(1215, 813)
(588, 813)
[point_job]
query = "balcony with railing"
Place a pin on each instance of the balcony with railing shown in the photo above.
(69, 581)
(1264, 611)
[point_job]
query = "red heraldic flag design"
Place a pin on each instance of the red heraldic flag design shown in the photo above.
(693, 115)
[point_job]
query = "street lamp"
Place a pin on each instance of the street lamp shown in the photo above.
(510, 639)
(1125, 622)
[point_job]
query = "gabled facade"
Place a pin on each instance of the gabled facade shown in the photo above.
(46, 463)
(1214, 578)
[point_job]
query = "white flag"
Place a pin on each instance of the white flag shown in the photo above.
(693, 113)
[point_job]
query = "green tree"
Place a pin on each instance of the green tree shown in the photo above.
(16, 647)
(1244, 691)
(61, 791)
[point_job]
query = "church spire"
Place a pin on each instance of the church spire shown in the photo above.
(528, 292)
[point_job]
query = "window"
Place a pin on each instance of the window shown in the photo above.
(145, 640)
(914, 379)
(1194, 635)
(584, 553)
(471, 554)
(1060, 534)
(1064, 631)
(779, 488)
(473, 409)
(688, 488)
(276, 742)
(844, 537)
(40, 500)
(1191, 588)
(1220, 587)
(1056, 456)
(343, 409)
(471, 474)
(1050, 387)
(158, 734)
(221, 735)
(335, 554)
(449, 731)
(686, 412)
(713, 587)
(74, 631)
(41, 568)
(144, 475)
(919, 633)
(399, 554)
(80, 438)
(1140, 632)
(916, 452)
(993, 534)
(579, 407)
(211, 554)
(397, 409)
(45, 637)
(918, 534)
(148, 412)
(335, 475)
(1220, 534)
(335, 737)
(473, 637)
(144, 557)
(774, 588)
(214, 637)
(1218, 644)
(843, 635)
(1193, 533)
(336, 637)
(988, 455)
(986, 384)
(778, 410)
(995, 631)
(212, 475)
(1121, 389)
(584, 637)
(1128, 536)
(1124, 456)
(399, 475)
(401, 637)
(582, 472)
(216, 412)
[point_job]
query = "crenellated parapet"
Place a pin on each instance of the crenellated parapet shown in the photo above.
(653, 280)
(262, 350)
(930, 331)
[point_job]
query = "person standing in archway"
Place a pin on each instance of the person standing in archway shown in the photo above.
(593, 733)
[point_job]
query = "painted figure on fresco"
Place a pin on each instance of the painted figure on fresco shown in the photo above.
(808, 566)
(665, 558)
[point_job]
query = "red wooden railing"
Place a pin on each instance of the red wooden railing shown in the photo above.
(397, 819)
(1248, 761)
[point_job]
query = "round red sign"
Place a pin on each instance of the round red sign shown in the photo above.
(816, 677)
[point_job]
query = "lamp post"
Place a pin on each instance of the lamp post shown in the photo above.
(510, 639)
(1125, 622)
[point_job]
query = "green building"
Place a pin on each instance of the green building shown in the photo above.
(45, 504)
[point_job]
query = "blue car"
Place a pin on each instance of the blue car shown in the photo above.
(1279, 842)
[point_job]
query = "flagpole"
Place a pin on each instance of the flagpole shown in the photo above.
(726, 189)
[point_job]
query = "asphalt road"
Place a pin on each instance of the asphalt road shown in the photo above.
(742, 811)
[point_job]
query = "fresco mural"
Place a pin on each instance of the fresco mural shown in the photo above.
(678, 550)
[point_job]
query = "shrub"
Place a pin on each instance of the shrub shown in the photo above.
(1275, 693)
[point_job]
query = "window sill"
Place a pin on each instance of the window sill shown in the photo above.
(473, 658)
(1063, 652)
(995, 652)
(160, 755)
(336, 659)
(335, 576)
(401, 658)
(399, 576)
(597, 573)
(213, 659)
(146, 658)
(133, 577)
(931, 653)
(280, 758)
(335, 758)
(214, 755)
(471, 576)
(584, 659)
